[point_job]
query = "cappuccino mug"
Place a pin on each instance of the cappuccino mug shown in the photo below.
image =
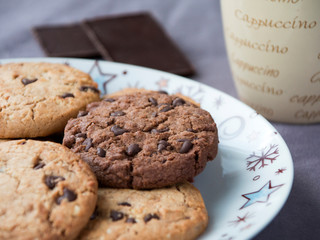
(273, 49)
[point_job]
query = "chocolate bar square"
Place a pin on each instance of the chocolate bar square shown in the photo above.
(65, 41)
(137, 39)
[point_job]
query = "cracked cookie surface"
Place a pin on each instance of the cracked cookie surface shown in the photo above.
(47, 191)
(143, 140)
(37, 99)
(177, 212)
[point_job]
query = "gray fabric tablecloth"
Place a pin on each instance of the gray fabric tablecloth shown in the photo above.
(195, 25)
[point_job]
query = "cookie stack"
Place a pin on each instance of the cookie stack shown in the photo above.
(142, 148)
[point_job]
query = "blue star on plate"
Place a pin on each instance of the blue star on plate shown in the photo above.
(99, 75)
(260, 196)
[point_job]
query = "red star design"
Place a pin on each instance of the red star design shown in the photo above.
(162, 83)
(240, 219)
(281, 170)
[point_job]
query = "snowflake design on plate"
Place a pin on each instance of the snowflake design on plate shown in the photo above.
(260, 160)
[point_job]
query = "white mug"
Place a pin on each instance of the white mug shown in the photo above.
(274, 53)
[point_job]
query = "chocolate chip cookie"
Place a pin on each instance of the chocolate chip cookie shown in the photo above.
(37, 99)
(143, 90)
(177, 212)
(47, 191)
(143, 140)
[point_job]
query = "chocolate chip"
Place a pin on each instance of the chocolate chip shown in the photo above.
(160, 130)
(133, 149)
(186, 146)
(39, 165)
(68, 142)
(164, 142)
(81, 135)
(131, 220)
(117, 130)
(182, 140)
(163, 130)
(166, 108)
(109, 100)
(162, 92)
(86, 88)
(51, 181)
(66, 95)
(115, 215)
(178, 102)
(191, 130)
(88, 143)
(124, 204)
(196, 157)
(101, 152)
(68, 194)
(27, 81)
(153, 101)
(162, 145)
(82, 113)
(149, 216)
(95, 214)
(117, 113)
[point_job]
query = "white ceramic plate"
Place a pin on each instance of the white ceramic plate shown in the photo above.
(248, 183)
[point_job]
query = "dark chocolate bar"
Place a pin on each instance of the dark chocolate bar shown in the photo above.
(136, 39)
(65, 41)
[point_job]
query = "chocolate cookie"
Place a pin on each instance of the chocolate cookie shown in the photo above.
(143, 90)
(177, 212)
(143, 140)
(47, 191)
(37, 99)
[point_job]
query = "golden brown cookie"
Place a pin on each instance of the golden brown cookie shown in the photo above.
(37, 99)
(177, 212)
(47, 191)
